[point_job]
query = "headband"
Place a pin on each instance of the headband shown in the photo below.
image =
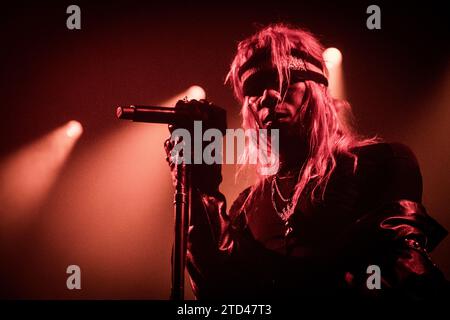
(301, 66)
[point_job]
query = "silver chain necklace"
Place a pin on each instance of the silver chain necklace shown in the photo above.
(286, 211)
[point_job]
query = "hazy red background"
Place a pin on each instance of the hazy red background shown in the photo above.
(109, 209)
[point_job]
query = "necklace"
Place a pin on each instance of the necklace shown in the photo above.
(278, 190)
(286, 211)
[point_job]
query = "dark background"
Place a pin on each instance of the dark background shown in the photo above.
(103, 211)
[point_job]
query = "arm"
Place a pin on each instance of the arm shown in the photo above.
(209, 243)
(398, 235)
(217, 250)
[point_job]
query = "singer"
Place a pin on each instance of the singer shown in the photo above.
(341, 217)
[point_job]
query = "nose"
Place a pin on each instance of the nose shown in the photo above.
(269, 99)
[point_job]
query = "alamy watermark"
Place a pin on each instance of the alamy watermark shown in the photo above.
(373, 22)
(374, 279)
(74, 280)
(190, 148)
(73, 21)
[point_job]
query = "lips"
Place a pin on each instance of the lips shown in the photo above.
(281, 115)
(274, 117)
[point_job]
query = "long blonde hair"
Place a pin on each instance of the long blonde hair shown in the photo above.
(328, 131)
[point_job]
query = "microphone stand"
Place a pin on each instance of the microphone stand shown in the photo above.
(182, 194)
(184, 110)
(182, 210)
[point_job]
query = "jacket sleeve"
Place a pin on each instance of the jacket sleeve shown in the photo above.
(399, 235)
(211, 256)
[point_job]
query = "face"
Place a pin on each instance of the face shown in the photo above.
(273, 112)
(273, 109)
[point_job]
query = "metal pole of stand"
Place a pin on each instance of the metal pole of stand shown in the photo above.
(182, 202)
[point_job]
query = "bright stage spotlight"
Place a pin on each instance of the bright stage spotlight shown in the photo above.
(27, 175)
(333, 62)
(74, 129)
(332, 57)
(193, 92)
(196, 92)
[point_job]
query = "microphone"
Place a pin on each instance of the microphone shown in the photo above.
(151, 114)
(184, 113)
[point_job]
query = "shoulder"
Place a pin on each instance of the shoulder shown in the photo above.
(394, 166)
(386, 152)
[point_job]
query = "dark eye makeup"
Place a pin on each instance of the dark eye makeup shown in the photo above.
(255, 85)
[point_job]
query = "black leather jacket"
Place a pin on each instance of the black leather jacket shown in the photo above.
(373, 216)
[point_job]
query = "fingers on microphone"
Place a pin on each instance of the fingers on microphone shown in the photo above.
(168, 145)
